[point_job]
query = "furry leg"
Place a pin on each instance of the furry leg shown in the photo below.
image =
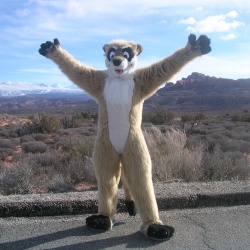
(136, 164)
(137, 172)
(129, 201)
(108, 171)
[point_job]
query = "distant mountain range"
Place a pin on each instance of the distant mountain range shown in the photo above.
(11, 89)
(197, 92)
(201, 92)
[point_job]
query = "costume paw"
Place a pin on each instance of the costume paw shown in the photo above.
(203, 42)
(158, 232)
(98, 222)
(131, 207)
(48, 47)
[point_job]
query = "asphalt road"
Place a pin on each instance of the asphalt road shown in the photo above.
(205, 228)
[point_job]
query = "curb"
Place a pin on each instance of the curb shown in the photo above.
(169, 196)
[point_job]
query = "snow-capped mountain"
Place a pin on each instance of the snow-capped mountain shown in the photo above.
(9, 89)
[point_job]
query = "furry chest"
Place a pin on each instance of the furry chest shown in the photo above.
(118, 94)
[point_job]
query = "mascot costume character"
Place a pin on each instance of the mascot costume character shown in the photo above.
(120, 148)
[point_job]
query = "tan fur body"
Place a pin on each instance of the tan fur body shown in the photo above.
(133, 162)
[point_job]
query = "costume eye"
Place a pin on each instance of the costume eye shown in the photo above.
(128, 53)
(111, 53)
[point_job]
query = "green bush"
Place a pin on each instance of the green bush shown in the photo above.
(159, 115)
(42, 123)
(45, 123)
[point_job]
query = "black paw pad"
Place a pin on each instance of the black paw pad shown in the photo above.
(160, 232)
(131, 207)
(204, 43)
(192, 39)
(98, 222)
(48, 47)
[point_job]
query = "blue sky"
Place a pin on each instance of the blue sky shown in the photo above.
(84, 26)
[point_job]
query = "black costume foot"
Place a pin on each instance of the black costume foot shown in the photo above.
(131, 207)
(98, 222)
(159, 232)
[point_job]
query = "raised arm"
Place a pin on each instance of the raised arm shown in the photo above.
(151, 78)
(87, 78)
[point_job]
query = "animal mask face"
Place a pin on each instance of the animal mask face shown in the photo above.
(121, 56)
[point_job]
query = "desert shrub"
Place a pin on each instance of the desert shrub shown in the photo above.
(59, 184)
(171, 158)
(72, 120)
(34, 147)
(27, 138)
(40, 136)
(4, 132)
(7, 143)
(5, 152)
(187, 118)
(41, 123)
(219, 166)
(174, 156)
(159, 115)
(82, 148)
(50, 171)
(240, 118)
(46, 123)
(64, 145)
(18, 179)
(24, 129)
(50, 142)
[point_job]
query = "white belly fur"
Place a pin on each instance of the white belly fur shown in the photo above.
(118, 95)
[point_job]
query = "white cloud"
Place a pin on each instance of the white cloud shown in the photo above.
(198, 9)
(44, 71)
(217, 23)
(162, 22)
(22, 12)
(228, 37)
(234, 67)
(188, 21)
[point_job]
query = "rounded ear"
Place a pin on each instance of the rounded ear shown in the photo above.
(139, 49)
(105, 48)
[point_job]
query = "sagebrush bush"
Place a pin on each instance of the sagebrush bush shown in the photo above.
(27, 138)
(40, 137)
(219, 166)
(18, 179)
(50, 171)
(171, 158)
(72, 121)
(45, 123)
(5, 152)
(174, 156)
(34, 147)
(7, 143)
(158, 116)
(41, 123)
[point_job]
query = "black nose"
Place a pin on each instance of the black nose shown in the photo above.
(117, 62)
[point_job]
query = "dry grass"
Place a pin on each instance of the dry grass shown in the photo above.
(174, 159)
(33, 160)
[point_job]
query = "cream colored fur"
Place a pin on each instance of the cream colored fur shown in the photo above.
(118, 95)
(120, 107)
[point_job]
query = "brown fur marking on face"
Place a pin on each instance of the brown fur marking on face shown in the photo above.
(137, 48)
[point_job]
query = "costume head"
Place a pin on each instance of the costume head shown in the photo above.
(121, 56)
